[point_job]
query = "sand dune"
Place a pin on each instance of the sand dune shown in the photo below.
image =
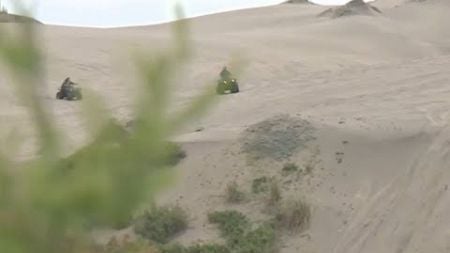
(354, 7)
(297, 2)
(373, 89)
(11, 18)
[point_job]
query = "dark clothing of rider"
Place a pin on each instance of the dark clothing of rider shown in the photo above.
(225, 74)
(67, 86)
(67, 82)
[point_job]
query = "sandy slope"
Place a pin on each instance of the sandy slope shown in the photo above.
(375, 89)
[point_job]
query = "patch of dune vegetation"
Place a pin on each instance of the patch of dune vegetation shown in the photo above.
(233, 193)
(161, 224)
(241, 235)
(293, 216)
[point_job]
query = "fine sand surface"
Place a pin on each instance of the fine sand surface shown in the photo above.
(363, 99)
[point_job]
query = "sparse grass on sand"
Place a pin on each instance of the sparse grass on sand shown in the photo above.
(274, 195)
(293, 216)
(160, 224)
(289, 168)
(198, 248)
(241, 235)
(233, 194)
(260, 185)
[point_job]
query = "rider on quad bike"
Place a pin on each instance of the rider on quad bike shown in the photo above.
(69, 90)
(226, 84)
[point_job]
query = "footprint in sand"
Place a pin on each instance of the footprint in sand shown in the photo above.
(339, 157)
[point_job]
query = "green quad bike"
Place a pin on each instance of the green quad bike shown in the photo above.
(69, 90)
(227, 86)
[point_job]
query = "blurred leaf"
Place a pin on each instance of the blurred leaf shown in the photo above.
(49, 204)
(196, 108)
(93, 112)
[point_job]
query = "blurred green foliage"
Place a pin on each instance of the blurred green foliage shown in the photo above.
(50, 205)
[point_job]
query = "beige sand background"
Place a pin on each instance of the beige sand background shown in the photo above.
(373, 92)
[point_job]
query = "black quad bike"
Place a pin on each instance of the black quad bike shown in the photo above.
(227, 86)
(69, 91)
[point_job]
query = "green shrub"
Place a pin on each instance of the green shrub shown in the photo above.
(294, 216)
(161, 224)
(289, 168)
(274, 194)
(260, 240)
(232, 224)
(239, 235)
(260, 185)
(233, 194)
(205, 248)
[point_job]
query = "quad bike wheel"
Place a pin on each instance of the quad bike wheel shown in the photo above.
(234, 88)
(220, 88)
(59, 95)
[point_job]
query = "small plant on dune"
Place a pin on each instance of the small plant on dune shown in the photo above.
(274, 194)
(207, 248)
(259, 240)
(199, 248)
(289, 168)
(239, 233)
(232, 224)
(233, 194)
(311, 162)
(260, 185)
(294, 216)
(309, 167)
(161, 224)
